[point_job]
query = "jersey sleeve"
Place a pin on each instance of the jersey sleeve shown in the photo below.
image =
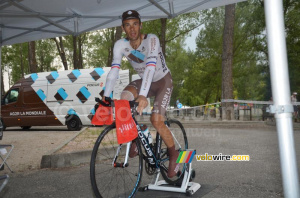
(111, 78)
(117, 55)
(114, 71)
(153, 46)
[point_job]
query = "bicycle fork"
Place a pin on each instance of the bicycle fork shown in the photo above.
(125, 163)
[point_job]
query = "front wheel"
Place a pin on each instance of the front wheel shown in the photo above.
(108, 177)
(181, 144)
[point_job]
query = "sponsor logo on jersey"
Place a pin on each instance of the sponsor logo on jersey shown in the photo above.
(163, 63)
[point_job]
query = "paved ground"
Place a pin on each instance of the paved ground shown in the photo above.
(260, 177)
(30, 145)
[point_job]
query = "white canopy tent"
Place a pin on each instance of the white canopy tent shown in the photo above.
(28, 20)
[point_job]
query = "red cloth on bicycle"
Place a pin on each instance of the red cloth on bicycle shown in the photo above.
(125, 125)
(103, 116)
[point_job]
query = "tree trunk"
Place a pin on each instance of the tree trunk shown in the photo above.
(2, 84)
(32, 57)
(80, 61)
(110, 50)
(61, 51)
(227, 61)
(21, 60)
(118, 33)
(75, 57)
(163, 35)
(42, 62)
(9, 78)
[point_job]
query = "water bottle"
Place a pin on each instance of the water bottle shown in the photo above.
(147, 133)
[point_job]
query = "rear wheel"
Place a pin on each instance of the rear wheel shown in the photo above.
(74, 123)
(108, 176)
(181, 144)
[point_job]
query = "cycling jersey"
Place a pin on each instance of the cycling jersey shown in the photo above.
(147, 60)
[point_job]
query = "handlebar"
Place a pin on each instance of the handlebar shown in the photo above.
(108, 99)
(109, 102)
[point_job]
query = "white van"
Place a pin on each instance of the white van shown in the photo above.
(57, 98)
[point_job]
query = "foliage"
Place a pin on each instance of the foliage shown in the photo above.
(45, 55)
(292, 24)
(249, 58)
(97, 47)
(12, 59)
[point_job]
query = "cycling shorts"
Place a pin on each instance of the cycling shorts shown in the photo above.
(161, 90)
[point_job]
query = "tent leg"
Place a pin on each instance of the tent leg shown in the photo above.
(1, 70)
(281, 95)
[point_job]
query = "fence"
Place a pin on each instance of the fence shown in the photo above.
(244, 110)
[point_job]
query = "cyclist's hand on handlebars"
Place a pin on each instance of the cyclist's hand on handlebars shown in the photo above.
(143, 102)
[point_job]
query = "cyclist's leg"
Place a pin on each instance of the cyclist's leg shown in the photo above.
(163, 91)
(158, 122)
(130, 92)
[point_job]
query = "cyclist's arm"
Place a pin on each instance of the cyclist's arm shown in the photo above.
(153, 45)
(114, 71)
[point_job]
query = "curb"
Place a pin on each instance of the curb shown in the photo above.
(66, 159)
(52, 160)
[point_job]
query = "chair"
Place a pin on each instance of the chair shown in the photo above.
(4, 154)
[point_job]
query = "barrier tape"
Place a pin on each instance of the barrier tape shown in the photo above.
(233, 100)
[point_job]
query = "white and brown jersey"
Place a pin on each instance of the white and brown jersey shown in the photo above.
(147, 55)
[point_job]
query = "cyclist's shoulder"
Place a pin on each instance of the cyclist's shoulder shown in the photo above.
(150, 35)
(122, 42)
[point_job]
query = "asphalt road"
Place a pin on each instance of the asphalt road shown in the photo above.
(259, 177)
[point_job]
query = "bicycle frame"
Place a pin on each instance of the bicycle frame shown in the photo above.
(150, 157)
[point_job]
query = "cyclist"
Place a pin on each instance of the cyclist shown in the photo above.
(144, 53)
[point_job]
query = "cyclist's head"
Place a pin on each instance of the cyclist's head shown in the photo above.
(130, 14)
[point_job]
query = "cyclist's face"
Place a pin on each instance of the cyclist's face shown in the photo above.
(132, 28)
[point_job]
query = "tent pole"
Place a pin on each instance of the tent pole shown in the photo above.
(0, 70)
(281, 95)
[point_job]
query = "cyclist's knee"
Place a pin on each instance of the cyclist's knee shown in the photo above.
(128, 94)
(157, 120)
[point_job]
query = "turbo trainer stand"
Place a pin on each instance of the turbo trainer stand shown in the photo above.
(186, 186)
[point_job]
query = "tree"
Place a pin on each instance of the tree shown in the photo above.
(209, 57)
(250, 65)
(46, 53)
(292, 25)
(32, 57)
(227, 62)
(61, 51)
(78, 42)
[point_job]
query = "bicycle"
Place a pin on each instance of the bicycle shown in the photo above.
(114, 174)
